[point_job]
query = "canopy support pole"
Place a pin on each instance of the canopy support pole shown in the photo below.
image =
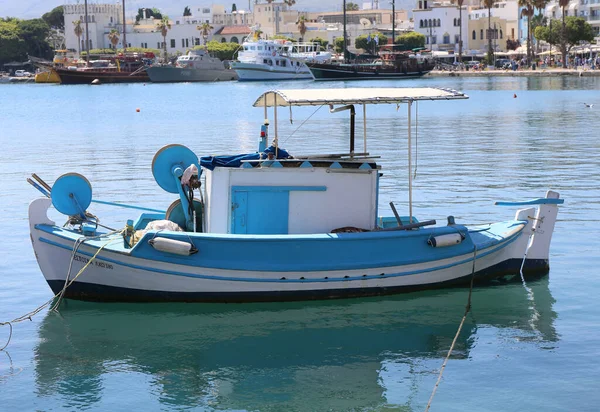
(276, 140)
(409, 162)
(364, 128)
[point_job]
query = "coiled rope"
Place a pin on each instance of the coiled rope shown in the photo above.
(68, 283)
(462, 322)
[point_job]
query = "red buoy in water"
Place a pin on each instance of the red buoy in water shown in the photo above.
(138, 109)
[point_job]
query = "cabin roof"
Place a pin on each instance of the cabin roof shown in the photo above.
(318, 97)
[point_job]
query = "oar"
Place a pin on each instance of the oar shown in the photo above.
(46, 190)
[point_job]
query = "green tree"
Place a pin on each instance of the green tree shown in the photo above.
(12, 46)
(55, 18)
(224, 51)
(410, 41)
(577, 30)
(372, 44)
(322, 42)
(301, 24)
(187, 12)
(205, 29)
(290, 3)
(338, 44)
(34, 32)
(233, 7)
(113, 37)
(164, 25)
(351, 6)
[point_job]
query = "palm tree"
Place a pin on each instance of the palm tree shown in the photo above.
(78, 32)
(205, 29)
(113, 36)
(540, 20)
(563, 43)
(164, 26)
(527, 11)
(459, 3)
(301, 23)
(489, 4)
(290, 3)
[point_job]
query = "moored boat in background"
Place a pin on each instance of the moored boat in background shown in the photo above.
(195, 66)
(277, 60)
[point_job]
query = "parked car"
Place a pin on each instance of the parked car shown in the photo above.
(473, 64)
(502, 64)
(22, 73)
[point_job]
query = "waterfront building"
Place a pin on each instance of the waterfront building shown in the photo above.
(182, 35)
(504, 26)
(439, 22)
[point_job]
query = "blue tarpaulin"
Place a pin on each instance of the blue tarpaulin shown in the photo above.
(210, 162)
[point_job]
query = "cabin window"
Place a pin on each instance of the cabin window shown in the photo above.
(283, 63)
(172, 43)
(259, 48)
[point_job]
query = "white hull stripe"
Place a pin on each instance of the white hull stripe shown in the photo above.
(238, 279)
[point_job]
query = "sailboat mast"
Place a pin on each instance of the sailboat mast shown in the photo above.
(124, 30)
(87, 35)
(345, 45)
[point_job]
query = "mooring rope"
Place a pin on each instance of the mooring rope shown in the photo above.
(462, 322)
(68, 283)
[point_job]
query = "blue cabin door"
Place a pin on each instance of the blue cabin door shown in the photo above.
(260, 211)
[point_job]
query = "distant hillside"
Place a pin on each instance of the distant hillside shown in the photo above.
(28, 9)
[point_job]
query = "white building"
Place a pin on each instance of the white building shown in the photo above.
(439, 22)
(182, 35)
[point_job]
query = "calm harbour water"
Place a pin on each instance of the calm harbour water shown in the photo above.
(514, 353)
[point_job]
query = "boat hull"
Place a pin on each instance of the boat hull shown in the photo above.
(175, 74)
(263, 72)
(88, 76)
(364, 72)
(279, 268)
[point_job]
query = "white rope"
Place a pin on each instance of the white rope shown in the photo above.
(462, 322)
(68, 283)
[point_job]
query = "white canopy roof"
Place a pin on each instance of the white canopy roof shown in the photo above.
(318, 97)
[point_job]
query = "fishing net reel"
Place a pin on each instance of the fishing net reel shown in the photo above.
(71, 195)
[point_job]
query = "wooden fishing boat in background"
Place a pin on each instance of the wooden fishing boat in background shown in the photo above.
(268, 226)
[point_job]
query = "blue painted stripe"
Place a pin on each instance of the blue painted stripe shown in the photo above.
(541, 201)
(280, 188)
(238, 279)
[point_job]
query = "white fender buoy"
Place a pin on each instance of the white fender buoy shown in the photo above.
(445, 240)
(172, 246)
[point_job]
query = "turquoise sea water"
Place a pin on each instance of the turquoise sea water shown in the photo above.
(516, 352)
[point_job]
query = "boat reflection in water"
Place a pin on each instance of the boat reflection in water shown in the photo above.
(328, 354)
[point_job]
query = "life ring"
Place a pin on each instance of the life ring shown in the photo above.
(273, 54)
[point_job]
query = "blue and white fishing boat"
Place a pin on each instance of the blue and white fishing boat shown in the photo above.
(268, 226)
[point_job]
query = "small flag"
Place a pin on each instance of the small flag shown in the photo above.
(377, 39)
(369, 38)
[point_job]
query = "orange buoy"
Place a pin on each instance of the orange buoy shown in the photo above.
(138, 109)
